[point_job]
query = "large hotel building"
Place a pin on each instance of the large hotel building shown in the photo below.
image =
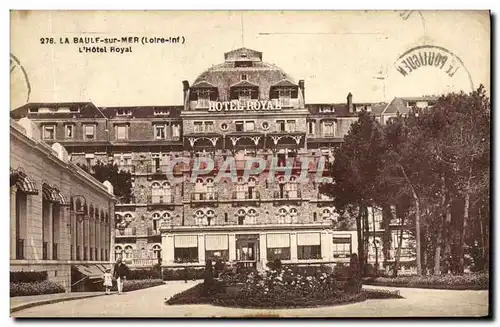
(244, 109)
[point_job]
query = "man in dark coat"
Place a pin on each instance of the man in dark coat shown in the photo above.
(120, 273)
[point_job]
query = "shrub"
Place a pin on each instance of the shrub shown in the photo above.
(27, 276)
(35, 288)
(465, 281)
(132, 285)
(183, 274)
(138, 274)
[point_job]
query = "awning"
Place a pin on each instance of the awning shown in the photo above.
(186, 241)
(216, 242)
(24, 183)
(308, 239)
(91, 271)
(54, 195)
(278, 240)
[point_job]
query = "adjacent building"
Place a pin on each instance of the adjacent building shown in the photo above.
(243, 108)
(62, 218)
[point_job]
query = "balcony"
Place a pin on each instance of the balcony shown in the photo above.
(136, 263)
(130, 231)
(245, 197)
(153, 232)
(280, 196)
(45, 250)
(163, 169)
(54, 251)
(127, 168)
(204, 198)
(161, 199)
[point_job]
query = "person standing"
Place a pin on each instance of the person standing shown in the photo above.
(120, 273)
(108, 280)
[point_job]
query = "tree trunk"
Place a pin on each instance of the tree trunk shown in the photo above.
(461, 263)
(417, 221)
(361, 247)
(366, 233)
(398, 251)
(375, 242)
(386, 238)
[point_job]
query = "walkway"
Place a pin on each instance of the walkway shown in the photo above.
(150, 303)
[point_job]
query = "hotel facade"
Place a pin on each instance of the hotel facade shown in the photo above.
(243, 109)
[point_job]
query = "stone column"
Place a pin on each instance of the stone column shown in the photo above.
(201, 248)
(263, 249)
(232, 247)
(49, 231)
(326, 241)
(293, 246)
(13, 223)
(167, 248)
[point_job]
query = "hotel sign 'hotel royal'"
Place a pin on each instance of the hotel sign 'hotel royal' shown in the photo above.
(245, 110)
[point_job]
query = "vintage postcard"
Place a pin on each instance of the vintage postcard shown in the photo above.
(250, 164)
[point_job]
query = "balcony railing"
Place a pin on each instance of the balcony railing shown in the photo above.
(323, 197)
(288, 195)
(144, 262)
(152, 232)
(45, 250)
(204, 197)
(20, 249)
(54, 251)
(245, 196)
(163, 169)
(127, 168)
(161, 199)
(130, 231)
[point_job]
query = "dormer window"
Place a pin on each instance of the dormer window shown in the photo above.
(411, 104)
(244, 77)
(203, 96)
(284, 95)
(33, 110)
(245, 63)
(123, 112)
(244, 95)
(161, 112)
(73, 109)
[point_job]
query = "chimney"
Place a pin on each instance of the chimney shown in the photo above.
(302, 88)
(349, 103)
(185, 89)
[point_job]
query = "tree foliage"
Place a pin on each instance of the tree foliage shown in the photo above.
(433, 166)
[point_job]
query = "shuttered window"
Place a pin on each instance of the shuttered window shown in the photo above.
(216, 242)
(186, 241)
(308, 239)
(278, 240)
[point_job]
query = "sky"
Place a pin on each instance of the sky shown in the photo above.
(335, 52)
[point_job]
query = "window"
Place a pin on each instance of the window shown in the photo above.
(157, 251)
(412, 104)
(123, 112)
(278, 247)
(284, 96)
(239, 126)
(209, 126)
(290, 124)
(68, 131)
(121, 132)
(307, 252)
(243, 64)
(88, 131)
(176, 131)
(342, 246)
(49, 132)
(328, 128)
(198, 127)
(244, 77)
(265, 125)
(160, 132)
(244, 95)
(280, 125)
(185, 248)
(128, 252)
(118, 252)
(33, 110)
(223, 126)
(217, 247)
(310, 127)
(308, 246)
(161, 112)
(249, 126)
(203, 98)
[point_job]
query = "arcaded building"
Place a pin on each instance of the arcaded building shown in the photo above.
(61, 218)
(242, 109)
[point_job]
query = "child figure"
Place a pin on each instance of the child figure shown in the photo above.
(108, 281)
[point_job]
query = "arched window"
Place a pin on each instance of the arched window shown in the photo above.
(251, 216)
(282, 214)
(118, 251)
(157, 251)
(199, 217)
(210, 186)
(326, 214)
(102, 215)
(128, 252)
(156, 192)
(210, 217)
(96, 213)
(240, 214)
(293, 213)
(85, 209)
(156, 217)
(78, 205)
(128, 217)
(167, 192)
